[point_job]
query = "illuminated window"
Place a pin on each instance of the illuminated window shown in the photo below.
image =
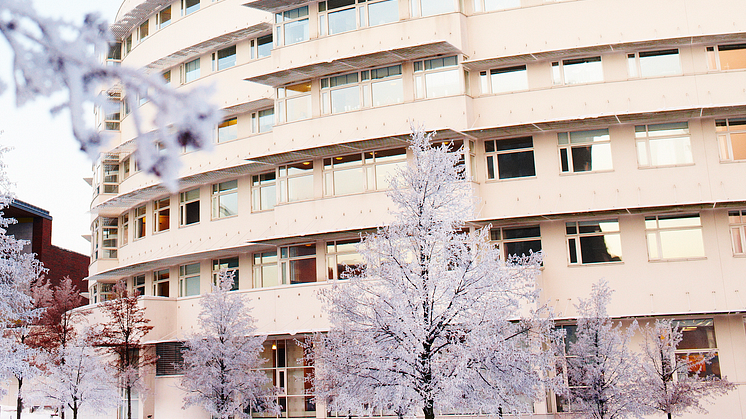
(697, 344)
(731, 134)
(737, 221)
(144, 30)
(125, 228)
(139, 222)
(726, 57)
(161, 215)
(294, 102)
(164, 17)
(298, 263)
(161, 283)
(228, 130)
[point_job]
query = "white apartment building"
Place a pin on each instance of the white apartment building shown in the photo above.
(609, 134)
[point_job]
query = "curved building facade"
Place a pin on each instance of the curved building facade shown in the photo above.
(612, 136)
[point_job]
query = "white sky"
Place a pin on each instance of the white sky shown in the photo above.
(46, 163)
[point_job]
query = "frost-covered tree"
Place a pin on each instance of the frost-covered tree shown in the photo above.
(52, 55)
(601, 369)
(80, 381)
(666, 384)
(433, 322)
(220, 361)
(121, 337)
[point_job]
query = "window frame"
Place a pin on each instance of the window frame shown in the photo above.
(560, 73)
(259, 264)
(286, 17)
(643, 138)
(366, 82)
(713, 56)
(161, 214)
(573, 239)
(499, 239)
(421, 73)
(139, 220)
(262, 115)
(415, 9)
(193, 74)
(361, 11)
(109, 237)
(218, 265)
(187, 277)
(228, 129)
(566, 159)
(216, 196)
(635, 63)
(487, 79)
(287, 261)
(737, 229)
(285, 179)
(369, 165)
(229, 60)
(140, 36)
(185, 203)
(334, 252)
(480, 6)
(160, 23)
(257, 52)
(683, 325)
(260, 183)
(138, 284)
(286, 95)
(655, 230)
(724, 134)
(161, 281)
(188, 10)
(492, 155)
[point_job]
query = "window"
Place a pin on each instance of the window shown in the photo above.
(431, 7)
(111, 176)
(189, 280)
(169, 358)
(228, 130)
(189, 6)
(731, 138)
(343, 260)
(263, 191)
(113, 112)
(261, 47)
(296, 181)
(298, 263)
(357, 173)
(139, 222)
(160, 283)
(138, 285)
(436, 77)
(585, 151)
(265, 269)
(128, 44)
(263, 121)
(225, 199)
(189, 207)
(166, 77)
(114, 55)
(109, 235)
(348, 92)
(337, 16)
(503, 80)
(516, 241)
(291, 26)
(726, 57)
(697, 342)
(510, 158)
(229, 264)
(674, 237)
(492, 5)
(191, 70)
(105, 292)
(164, 17)
(125, 223)
(663, 145)
(161, 215)
(577, 70)
(125, 167)
(737, 221)
(224, 58)
(654, 63)
(593, 241)
(289, 371)
(294, 102)
(144, 30)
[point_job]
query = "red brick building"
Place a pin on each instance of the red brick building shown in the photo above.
(35, 225)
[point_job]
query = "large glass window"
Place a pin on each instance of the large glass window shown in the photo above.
(161, 214)
(261, 47)
(298, 263)
(294, 102)
(357, 173)
(228, 130)
(663, 145)
(291, 374)
(164, 17)
(492, 5)
(731, 134)
(291, 26)
(503, 80)
(189, 6)
(224, 58)
(593, 241)
(227, 264)
(726, 57)
(296, 181)
(348, 92)
(263, 121)
(654, 63)
(191, 70)
(140, 222)
(160, 283)
(189, 280)
(517, 241)
(225, 199)
(337, 16)
(263, 191)
(189, 207)
(342, 259)
(697, 344)
(109, 235)
(737, 222)
(265, 269)
(585, 151)
(577, 71)
(510, 158)
(437, 77)
(674, 237)
(111, 176)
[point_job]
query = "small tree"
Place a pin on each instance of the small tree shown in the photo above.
(80, 381)
(428, 325)
(602, 372)
(220, 361)
(666, 384)
(121, 337)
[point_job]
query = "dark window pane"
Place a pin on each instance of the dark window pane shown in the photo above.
(303, 270)
(563, 160)
(490, 167)
(515, 143)
(581, 159)
(523, 247)
(593, 250)
(521, 232)
(573, 254)
(512, 165)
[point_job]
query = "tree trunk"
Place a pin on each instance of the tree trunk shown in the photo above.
(62, 412)
(19, 400)
(129, 402)
(428, 410)
(669, 415)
